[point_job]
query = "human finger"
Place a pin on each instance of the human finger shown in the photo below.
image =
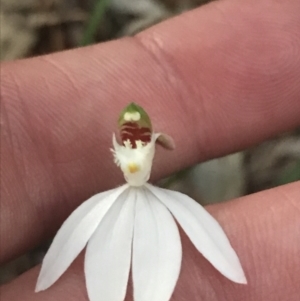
(228, 79)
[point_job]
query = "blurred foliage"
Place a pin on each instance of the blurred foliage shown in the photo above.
(93, 23)
(174, 178)
(291, 174)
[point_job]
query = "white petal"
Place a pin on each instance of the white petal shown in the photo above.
(73, 236)
(204, 232)
(108, 253)
(157, 254)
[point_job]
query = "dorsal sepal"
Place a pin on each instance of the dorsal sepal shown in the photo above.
(135, 125)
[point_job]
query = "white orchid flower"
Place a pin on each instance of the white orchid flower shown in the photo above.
(133, 227)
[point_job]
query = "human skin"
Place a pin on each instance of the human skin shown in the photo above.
(218, 79)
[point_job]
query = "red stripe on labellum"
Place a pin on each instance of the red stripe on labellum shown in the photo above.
(132, 132)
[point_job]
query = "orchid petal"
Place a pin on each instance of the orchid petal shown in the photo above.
(73, 235)
(157, 252)
(204, 232)
(108, 253)
(165, 141)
